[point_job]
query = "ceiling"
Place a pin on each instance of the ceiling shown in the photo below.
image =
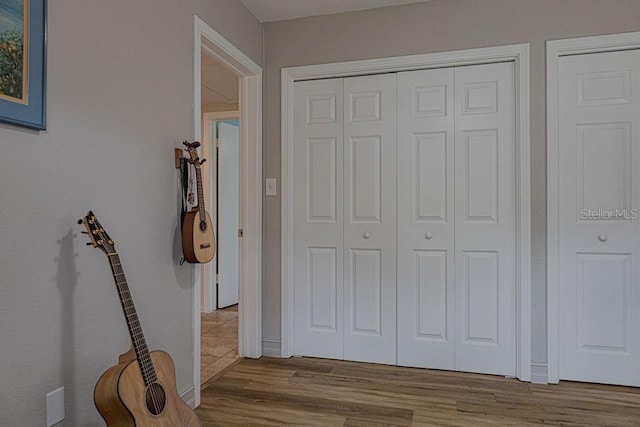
(219, 88)
(278, 10)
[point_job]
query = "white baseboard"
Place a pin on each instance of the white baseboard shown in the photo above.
(189, 396)
(271, 348)
(539, 374)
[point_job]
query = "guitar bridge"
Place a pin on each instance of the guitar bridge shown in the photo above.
(205, 245)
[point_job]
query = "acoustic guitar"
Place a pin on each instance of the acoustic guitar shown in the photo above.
(141, 389)
(198, 240)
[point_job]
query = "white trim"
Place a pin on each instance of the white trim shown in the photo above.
(250, 275)
(520, 55)
(209, 297)
(188, 395)
(556, 49)
(271, 348)
(539, 373)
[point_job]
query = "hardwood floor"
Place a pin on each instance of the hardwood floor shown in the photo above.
(317, 392)
(219, 341)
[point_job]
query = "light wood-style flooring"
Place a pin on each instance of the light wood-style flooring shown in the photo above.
(316, 392)
(219, 341)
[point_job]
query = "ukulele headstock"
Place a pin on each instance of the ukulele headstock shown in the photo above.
(97, 236)
(192, 149)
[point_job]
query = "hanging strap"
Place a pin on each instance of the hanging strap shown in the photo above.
(184, 180)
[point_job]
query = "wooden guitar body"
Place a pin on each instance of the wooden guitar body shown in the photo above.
(198, 241)
(120, 395)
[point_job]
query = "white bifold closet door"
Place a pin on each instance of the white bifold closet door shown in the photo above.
(456, 219)
(318, 219)
(370, 218)
(344, 214)
(599, 235)
(436, 287)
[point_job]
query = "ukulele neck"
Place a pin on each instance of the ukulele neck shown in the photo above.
(200, 192)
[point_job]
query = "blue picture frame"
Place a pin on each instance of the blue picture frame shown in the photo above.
(23, 94)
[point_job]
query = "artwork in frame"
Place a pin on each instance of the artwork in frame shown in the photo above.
(23, 62)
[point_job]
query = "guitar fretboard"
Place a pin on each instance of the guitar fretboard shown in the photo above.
(135, 330)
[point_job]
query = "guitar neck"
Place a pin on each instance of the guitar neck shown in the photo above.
(135, 330)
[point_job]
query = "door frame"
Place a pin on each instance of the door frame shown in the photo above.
(209, 299)
(555, 50)
(250, 274)
(519, 54)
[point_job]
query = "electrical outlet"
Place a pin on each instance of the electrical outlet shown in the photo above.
(55, 406)
(270, 185)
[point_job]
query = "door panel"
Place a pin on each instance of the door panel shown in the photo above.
(599, 151)
(480, 304)
(485, 219)
(366, 286)
(365, 179)
(431, 311)
(322, 197)
(425, 218)
(323, 286)
(481, 175)
(370, 229)
(318, 219)
(604, 280)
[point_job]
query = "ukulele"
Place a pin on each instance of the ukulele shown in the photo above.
(198, 241)
(141, 389)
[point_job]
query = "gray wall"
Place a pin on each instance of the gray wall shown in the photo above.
(439, 25)
(120, 98)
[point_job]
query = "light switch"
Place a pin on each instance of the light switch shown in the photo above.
(270, 189)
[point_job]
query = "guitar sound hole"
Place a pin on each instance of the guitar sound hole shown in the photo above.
(155, 399)
(203, 226)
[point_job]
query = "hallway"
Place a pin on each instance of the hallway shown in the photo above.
(219, 334)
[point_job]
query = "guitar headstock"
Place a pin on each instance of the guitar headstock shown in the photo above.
(192, 149)
(98, 237)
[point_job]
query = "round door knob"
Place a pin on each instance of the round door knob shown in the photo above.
(366, 235)
(602, 237)
(428, 236)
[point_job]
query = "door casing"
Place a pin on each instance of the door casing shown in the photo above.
(250, 289)
(519, 54)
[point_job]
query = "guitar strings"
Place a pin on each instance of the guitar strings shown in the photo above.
(157, 397)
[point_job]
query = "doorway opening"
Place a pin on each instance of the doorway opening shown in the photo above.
(219, 89)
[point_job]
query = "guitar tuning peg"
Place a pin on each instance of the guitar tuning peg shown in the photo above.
(202, 161)
(89, 244)
(79, 221)
(84, 232)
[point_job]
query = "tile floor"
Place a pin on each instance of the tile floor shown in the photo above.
(219, 345)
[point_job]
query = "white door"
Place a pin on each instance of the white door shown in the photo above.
(599, 236)
(426, 218)
(456, 219)
(370, 218)
(485, 203)
(434, 287)
(228, 216)
(318, 218)
(344, 219)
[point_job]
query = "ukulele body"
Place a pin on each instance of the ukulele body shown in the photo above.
(120, 395)
(198, 245)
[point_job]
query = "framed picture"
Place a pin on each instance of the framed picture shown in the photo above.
(23, 62)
